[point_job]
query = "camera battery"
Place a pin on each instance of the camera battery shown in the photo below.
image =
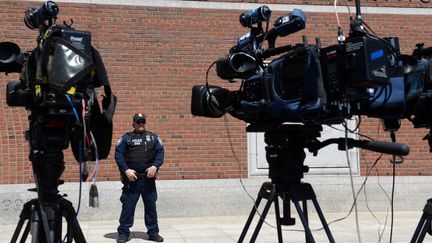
(366, 62)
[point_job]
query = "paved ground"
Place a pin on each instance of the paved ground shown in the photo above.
(225, 229)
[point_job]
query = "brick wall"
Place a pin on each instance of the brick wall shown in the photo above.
(364, 3)
(154, 55)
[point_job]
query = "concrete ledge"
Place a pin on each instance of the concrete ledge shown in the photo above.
(188, 198)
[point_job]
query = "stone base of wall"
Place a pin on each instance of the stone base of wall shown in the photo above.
(189, 198)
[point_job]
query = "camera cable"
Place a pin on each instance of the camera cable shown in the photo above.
(392, 202)
(363, 187)
(352, 131)
(73, 108)
(352, 185)
(341, 37)
(93, 194)
(265, 34)
(80, 155)
(390, 199)
(209, 94)
(394, 162)
(369, 170)
(80, 151)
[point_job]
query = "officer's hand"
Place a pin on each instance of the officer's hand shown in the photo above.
(151, 171)
(131, 175)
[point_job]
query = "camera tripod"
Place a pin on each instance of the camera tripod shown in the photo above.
(424, 226)
(44, 214)
(35, 213)
(285, 156)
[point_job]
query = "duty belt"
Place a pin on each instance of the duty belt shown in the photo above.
(141, 175)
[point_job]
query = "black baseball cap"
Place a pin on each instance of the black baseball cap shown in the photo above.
(139, 117)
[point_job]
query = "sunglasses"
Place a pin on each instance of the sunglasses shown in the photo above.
(141, 122)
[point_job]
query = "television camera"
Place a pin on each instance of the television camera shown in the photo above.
(57, 85)
(363, 74)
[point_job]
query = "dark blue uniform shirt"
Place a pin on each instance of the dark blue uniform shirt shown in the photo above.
(127, 141)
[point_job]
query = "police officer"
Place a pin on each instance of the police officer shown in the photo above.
(139, 154)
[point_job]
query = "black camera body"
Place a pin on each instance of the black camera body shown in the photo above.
(57, 84)
(361, 75)
(35, 91)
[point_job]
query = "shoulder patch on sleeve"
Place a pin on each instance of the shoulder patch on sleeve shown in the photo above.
(119, 141)
(160, 140)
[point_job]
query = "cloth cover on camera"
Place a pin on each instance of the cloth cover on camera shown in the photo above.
(67, 63)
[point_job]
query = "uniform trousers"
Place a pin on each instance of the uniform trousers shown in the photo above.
(131, 192)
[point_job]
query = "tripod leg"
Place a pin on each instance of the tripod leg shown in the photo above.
(24, 215)
(35, 226)
(323, 221)
(424, 226)
(424, 230)
(69, 233)
(278, 219)
(78, 235)
(273, 197)
(74, 232)
(26, 232)
(17, 230)
(33, 212)
(58, 227)
(421, 229)
(308, 232)
(305, 212)
(73, 228)
(40, 222)
(249, 220)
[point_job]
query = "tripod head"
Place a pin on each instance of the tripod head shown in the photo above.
(286, 144)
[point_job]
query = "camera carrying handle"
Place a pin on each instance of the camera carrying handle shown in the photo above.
(266, 53)
(376, 146)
